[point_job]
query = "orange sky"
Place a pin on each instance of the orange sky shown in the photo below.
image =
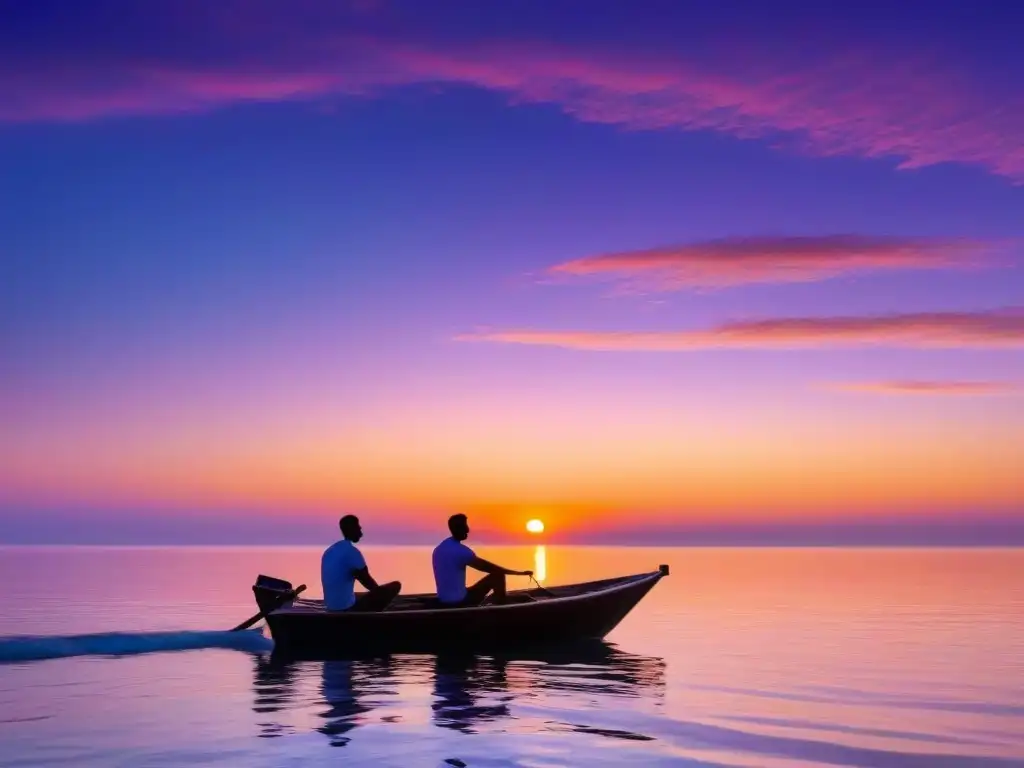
(578, 469)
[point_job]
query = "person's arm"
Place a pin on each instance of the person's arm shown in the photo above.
(362, 573)
(363, 577)
(488, 567)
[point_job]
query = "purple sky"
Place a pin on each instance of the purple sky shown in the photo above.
(751, 271)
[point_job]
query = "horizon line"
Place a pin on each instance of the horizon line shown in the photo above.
(560, 544)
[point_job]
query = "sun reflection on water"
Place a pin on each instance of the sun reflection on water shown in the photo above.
(540, 563)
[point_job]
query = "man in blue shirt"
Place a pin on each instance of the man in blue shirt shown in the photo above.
(450, 559)
(342, 564)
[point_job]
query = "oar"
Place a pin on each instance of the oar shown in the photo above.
(277, 604)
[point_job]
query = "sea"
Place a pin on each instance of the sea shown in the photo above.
(741, 657)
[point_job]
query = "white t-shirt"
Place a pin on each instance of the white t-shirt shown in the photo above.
(337, 574)
(450, 560)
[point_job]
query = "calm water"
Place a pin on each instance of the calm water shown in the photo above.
(741, 657)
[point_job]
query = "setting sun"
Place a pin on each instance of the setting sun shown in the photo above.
(535, 526)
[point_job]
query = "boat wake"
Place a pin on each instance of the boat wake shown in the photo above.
(29, 648)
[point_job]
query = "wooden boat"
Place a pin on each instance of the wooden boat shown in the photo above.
(419, 624)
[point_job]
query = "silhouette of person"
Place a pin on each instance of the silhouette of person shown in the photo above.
(342, 565)
(450, 559)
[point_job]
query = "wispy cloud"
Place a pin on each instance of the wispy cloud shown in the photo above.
(920, 112)
(1000, 328)
(917, 387)
(742, 260)
(861, 101)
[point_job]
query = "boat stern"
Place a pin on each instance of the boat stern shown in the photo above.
(269, 592)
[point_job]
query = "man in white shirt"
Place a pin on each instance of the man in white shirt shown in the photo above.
(450, 559)
(342, 564)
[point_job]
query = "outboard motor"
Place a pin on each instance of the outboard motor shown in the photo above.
(270, 591)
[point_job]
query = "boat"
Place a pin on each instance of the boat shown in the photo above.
(552, 616)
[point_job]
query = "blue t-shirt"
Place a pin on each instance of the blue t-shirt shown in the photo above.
(450, 560)
(337, 574)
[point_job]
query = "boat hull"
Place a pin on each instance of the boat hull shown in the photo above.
(581, 614)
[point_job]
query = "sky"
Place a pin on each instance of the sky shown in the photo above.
(650, 271)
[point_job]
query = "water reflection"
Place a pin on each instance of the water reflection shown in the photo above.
(540, 563)
(596, 669)
(274, 691)
(468, 693)
(351, 690)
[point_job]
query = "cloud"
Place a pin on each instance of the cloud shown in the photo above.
(856, 99)
(999, 328)
(854, 104)
(743, 260)
(912, 387)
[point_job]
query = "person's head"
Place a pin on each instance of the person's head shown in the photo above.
(459, 526)
(350, 529)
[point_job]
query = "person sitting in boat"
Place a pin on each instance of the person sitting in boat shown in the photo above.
(342, 564)
(450, 559)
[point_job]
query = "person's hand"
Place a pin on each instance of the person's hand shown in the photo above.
(526, 573)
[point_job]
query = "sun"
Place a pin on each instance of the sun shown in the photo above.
(535, 526)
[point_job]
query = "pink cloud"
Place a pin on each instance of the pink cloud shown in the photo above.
(845, 104)
(739, 261)
(912, 387)
(1001, 328)
(159, 92)
(863, 102)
